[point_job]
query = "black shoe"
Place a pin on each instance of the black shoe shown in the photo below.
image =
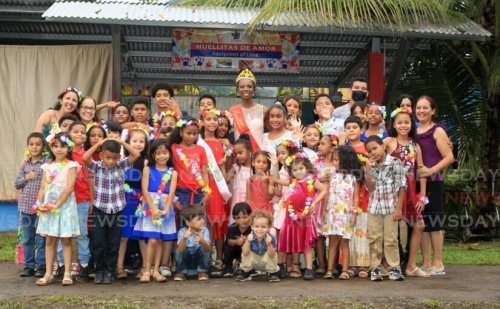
(99, 278)
(40, 272)
(228, 272)
(108, 278)
(83, 275)
(282, 271)
(395, 274)
(28, 272)
(244, 276)
(309, 274)
(274, 277)
(376, 275)
(59, 273)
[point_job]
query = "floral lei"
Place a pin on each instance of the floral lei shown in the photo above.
(50, 206)
(410, 160)
(141, 211)
(310, 195)
(205, 188)
(362, 157)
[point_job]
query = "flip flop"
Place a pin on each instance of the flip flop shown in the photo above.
(434, 272)
(417, 272)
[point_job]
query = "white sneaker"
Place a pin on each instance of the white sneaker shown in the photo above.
(165, 271)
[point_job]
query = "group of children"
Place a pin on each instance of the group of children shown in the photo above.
(181, 186)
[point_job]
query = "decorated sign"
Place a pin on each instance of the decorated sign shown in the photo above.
(200, 49)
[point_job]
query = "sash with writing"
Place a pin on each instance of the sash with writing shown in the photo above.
(215, 171)
(240, 123)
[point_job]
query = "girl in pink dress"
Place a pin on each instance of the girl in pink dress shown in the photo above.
(298, 233)
(260, 186)
(240, 172)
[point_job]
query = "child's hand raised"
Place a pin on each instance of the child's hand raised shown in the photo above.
(187, 234)
(199, 237)
(241, 240)
(273, 158)
(251, 237)
(269, 240)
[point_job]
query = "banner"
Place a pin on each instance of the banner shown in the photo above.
(215, 50)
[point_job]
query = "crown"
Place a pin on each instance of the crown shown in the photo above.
(246, 73)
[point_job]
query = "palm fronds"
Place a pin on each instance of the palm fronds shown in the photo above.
(444, 76)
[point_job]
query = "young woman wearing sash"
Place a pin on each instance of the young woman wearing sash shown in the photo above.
(248, 116)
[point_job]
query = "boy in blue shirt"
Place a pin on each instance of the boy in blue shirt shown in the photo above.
(193, 245)
(259, 249)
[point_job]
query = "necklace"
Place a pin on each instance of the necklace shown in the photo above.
(309, 198)
(197, 174)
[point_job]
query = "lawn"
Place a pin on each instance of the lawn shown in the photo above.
(477, 253)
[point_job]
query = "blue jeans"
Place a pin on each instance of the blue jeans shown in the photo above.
(192, 262)
(82, 240)
(33, 244)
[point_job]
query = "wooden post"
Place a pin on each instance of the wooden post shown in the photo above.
(117, 72)
(376, 73)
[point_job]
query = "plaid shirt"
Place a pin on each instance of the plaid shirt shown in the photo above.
(109, 195)
(29, 188)
(389, 177)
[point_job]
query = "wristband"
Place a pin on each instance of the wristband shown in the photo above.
(422, 198)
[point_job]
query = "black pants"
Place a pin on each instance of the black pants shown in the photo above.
(106, 239)
(231, 253)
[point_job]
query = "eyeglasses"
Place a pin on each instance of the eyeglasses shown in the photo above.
(88, 108)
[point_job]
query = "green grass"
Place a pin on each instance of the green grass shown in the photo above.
(8, 243)
(479, 253)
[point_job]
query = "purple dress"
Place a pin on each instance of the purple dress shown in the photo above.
(433, 213)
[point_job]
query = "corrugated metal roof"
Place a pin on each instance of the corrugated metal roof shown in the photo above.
(164, 14)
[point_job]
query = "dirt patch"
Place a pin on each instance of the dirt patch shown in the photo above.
(463, 286)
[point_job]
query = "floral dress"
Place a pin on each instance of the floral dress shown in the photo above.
(340, 206)
(64, 221)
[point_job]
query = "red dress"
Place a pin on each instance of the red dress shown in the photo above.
(410, 213)
(216, 214)
(297, 236)
(258, 198)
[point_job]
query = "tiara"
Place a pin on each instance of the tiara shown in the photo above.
(246, 73)
(400, 110)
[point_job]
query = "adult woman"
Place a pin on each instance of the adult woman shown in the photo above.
(69, 100)
(293, 106)
(406, 101)
(437, 155)
(248, 116)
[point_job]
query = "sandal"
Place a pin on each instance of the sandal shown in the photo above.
(67, 280)
(345, 275)
(45, 280)
(417, 272)
(139, 274)
(295, 273)
(362, 273)
(121, 274)
(146, 277)
(159, 277)
(328, 275)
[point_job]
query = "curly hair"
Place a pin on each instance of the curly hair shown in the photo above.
(348, 161)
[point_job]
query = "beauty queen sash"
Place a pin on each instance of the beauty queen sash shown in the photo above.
(240, 123)
(215, 171)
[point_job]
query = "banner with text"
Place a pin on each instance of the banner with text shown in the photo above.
(215, 50)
